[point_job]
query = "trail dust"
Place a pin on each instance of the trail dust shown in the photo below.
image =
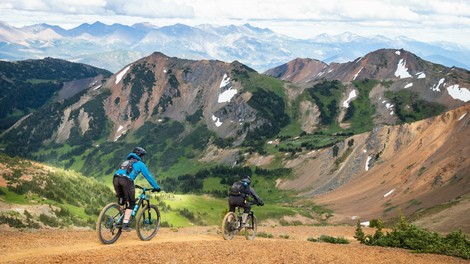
(202, 245)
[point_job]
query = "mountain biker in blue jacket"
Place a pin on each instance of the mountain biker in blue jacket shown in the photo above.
(123, 181)
(239, 194)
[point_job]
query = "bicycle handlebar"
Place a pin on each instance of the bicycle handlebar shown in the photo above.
(146, 189)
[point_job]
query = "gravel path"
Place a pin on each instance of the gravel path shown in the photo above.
(201, 245)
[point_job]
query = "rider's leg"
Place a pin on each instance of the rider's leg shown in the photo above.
(246, 211)
(130, 197)
(127, 215)
(119, 191)
(244, 217)
(231, 207)
(128, 212)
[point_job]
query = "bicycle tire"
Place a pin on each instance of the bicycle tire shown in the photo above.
(228, 230)
(148, 222)
(250, 231)
(106, 227)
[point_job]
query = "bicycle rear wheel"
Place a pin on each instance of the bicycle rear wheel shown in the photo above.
(148, 222)
(108, 231)
(250, 231)
(229, 226)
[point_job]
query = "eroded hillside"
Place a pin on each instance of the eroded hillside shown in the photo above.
(407, 168)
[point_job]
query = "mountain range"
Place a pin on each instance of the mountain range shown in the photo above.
(388, 127)
(112, 47)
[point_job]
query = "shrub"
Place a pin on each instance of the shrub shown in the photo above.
(408, 236)
(264, 234)
(165, 224)
(11, 221)
(329, 239)
(378, 223)
(290, 223)
(48, 220)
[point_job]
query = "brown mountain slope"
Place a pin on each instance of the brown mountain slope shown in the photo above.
(298, 70)
(419, 166)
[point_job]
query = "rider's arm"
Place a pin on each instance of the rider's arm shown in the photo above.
(143, 169)
(255, 195)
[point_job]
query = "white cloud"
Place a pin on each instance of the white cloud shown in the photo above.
(150, 9)
(56, 6)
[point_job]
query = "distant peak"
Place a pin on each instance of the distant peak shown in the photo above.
(98, 23)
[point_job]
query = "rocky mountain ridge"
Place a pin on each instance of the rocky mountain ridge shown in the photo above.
(211, 112)
(114, 46)
(405, 70)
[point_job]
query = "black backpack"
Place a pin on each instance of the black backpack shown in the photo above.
(237, 188)
(127, 165)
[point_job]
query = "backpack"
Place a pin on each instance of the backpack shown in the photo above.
(127, 165)
(237, 188)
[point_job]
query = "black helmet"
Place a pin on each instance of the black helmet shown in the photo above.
(247, 179)
(139, 151)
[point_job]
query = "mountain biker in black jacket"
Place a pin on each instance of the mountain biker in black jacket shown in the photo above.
(239, 194)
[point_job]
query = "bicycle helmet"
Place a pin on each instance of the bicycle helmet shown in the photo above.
(247, 180)
(139, 151)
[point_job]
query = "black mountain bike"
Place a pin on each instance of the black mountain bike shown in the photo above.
(232, 224)
(110, 220)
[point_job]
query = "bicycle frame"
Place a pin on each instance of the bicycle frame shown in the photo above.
(240, 214)
(141, 201)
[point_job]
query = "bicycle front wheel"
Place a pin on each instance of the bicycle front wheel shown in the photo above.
(229, 226)
(107, 225)
(148, 222)
(250, 230)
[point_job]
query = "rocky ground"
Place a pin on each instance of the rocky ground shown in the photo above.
(202, 245)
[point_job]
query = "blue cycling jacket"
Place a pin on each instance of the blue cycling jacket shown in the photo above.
(138, 167)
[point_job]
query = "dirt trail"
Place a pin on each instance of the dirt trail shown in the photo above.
(201, 245)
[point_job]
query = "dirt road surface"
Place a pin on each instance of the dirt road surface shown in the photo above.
(202, 245)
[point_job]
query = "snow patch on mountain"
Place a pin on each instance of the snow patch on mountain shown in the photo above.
(435, 87)
(408, 85)
(355, 76)
(421, 75)
(121, 74)
(352, 95)
(390, 192)
(462, 94)
(216, 121)
(367, 162)
(460, 118)
(225, 81)
(402, 71)
(226, 95)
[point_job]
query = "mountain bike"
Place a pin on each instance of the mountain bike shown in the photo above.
(147, 221)
(232, 224)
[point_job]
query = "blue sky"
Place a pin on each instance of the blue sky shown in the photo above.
(430, 20)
